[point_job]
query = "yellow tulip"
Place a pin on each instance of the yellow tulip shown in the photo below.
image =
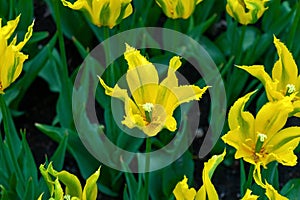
(178, 8)
(262, 140)
(12, 58)
(103, 13)
(246, 11)
(285, 81)
(153, 104)
(207, 190)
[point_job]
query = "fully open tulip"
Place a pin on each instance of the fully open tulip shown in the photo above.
(285, 81)
(102, 13)
(12, 59)
(178, 8)
(262, 140)
(246, 11)
(153, 103)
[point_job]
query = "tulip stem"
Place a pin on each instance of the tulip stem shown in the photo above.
(147, 166)
(249, 179)
(294, 27)
(239, 52)
(107, 49)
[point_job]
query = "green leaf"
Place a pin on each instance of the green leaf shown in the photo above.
(58, 157)
(291, 189)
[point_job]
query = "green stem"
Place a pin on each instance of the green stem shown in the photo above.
(66, 88)
(106, 34)
(239, 51)
(249, 179)
(60, 38)
(147, 166)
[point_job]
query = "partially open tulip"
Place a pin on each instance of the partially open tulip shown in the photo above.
(11, 57)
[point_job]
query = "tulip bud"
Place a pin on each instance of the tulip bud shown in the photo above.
(246, 11)
(102, 13)
(178, 8)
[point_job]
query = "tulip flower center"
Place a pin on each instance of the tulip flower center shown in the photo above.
(290, 89)
(148, 111)
(260, 141)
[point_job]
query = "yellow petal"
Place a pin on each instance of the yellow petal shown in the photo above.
(244, 146)
(9, 28)
(90, 189)
(282, 145)
(171, 123)
(141, 74)
(77, 5)
(272, 117)
(237, 117)
(272, 194)
(249, 196)
(117, 92)
(259, 72)
(285, 70)
(178, 8)
(246, 11)
(27, 37)
(188, 93)
(182, 191)
(207, 189)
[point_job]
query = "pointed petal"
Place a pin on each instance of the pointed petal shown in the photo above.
(272, 117)
(90, 189)
(282, 145)
(209, 168)
(188, 93)
(130, 107)
(237, 117)
(140, 74)
(182, 190)
(249, 196)
(10, 27)
(244, 146)
(258, 71)
(285, 69)
(272, 194)
(27, 37)
(77, 5)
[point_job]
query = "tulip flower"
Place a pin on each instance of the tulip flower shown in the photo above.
(102, 13)
(178, 8)
(246, 11)
(153, 104)
(285, 81)
(73, 186)
(12, 58)
(263, 139)
(207, 190)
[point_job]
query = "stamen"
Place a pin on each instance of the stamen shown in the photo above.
(290, 88)
(260, 141)
(148, 111)
(148, 107)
